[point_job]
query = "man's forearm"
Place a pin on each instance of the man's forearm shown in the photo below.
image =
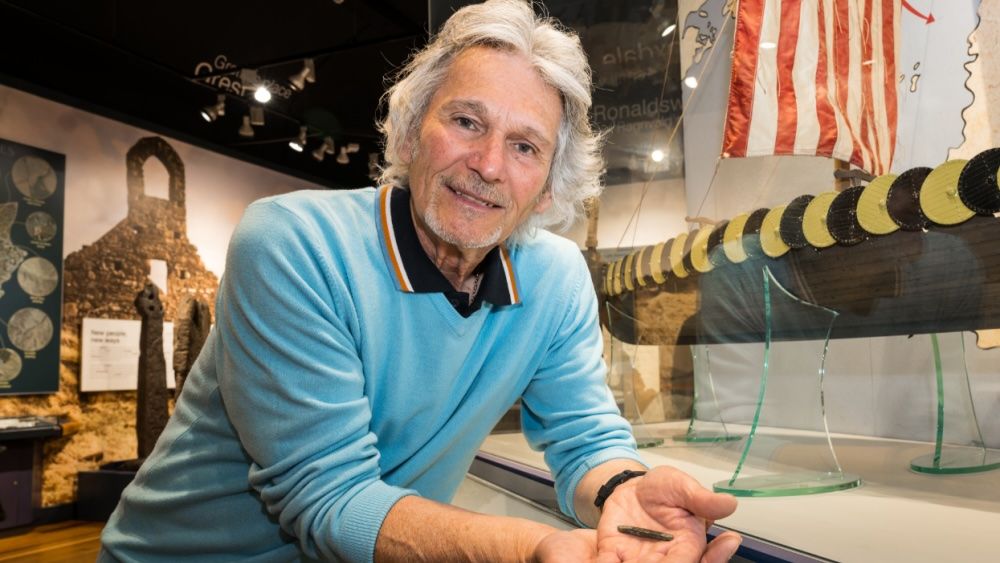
(417, 529)
(586, 490)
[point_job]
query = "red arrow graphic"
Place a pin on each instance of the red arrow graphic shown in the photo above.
(929, 18)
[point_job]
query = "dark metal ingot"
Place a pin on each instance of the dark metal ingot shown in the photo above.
(151, 413)
(645, 533)
(191, 325)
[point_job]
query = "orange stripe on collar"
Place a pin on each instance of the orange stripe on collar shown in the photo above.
(508, 268)
(390, 240)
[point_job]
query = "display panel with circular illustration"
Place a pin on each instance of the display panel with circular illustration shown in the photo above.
(32, 209)
(41, 227)
(34, 178)
(30, 330)
(38, 277)
(10, 365)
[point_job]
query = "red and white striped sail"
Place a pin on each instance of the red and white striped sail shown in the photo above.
(815, 77)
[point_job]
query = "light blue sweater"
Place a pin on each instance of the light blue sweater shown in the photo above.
(324, 393)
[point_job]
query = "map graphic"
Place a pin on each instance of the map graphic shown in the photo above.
(932, 90)
(931, 87)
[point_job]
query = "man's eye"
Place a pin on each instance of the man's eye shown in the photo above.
(465, 122)
(524, 148)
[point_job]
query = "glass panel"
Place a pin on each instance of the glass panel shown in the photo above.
(634, 378)
(707, 424)
(958, 446)
(779, 458)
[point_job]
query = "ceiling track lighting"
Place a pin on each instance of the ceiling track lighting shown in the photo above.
(213, 112)
(246, 130)
(345, 150)
(298, 144)
(373, 166)
(326, 148)
(257, 116)
(308, 74)
(262, 94)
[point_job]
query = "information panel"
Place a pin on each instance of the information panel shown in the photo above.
(32, 183)
(110, 354)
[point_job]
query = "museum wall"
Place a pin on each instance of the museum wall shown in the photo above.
(138, 206)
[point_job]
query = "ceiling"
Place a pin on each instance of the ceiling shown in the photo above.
(157, 64)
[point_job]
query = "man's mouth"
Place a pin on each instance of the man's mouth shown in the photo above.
(472, 198)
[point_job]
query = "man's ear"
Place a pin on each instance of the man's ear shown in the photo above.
(406, 150)
(544, 200)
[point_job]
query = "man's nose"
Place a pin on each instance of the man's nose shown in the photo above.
(488, 157)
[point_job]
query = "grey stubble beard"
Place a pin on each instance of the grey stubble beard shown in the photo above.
(478, 188)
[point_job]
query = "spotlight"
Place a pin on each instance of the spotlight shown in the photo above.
(324, 149)
(257, 116)
(213, 112)
(342, 158)
(262, 94)
(298, 144)
(307, 74)
(373, 166)
(668, 30)
(691, 82)
(246, 130)
(657, 155)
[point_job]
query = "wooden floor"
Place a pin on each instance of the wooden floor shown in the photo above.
(65, 542)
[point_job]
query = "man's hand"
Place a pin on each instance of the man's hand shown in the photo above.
(665, 500)
(573, 546)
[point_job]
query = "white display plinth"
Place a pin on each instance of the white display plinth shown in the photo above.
(897, 515)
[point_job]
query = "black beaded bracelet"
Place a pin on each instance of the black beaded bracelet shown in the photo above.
(605, 491)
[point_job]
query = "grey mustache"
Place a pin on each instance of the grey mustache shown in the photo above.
(478, 188)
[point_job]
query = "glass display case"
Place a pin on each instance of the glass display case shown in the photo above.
(815, 334)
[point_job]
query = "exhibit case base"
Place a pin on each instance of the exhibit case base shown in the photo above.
(98, 492)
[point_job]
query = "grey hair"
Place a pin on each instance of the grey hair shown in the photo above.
(557, 56)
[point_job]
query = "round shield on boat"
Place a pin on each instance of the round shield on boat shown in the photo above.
(939, 195)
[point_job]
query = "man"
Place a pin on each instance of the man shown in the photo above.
(366, 342)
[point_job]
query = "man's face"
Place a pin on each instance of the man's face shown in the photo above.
(484, 149)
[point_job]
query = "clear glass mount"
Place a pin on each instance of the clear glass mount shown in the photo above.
(706, 424)
(624, 378)
(777, 461)
(958, 445)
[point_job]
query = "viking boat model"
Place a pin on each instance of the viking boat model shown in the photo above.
(905, 254)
